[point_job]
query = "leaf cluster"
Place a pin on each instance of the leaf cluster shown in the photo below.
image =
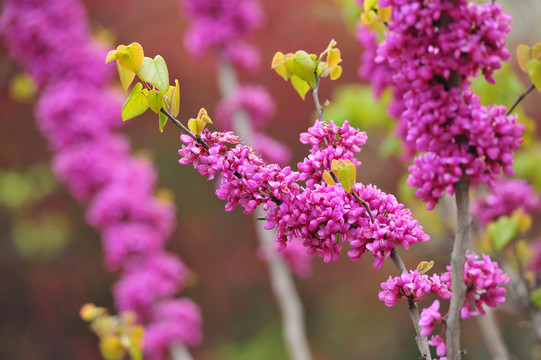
(304, 69)
(529, 60)
(153, 91)
(119, 335)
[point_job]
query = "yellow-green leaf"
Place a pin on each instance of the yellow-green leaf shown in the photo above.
(154, 71)
(175, 99)
(278, 65)
(333, 58)
(130, 57)
(300, 86)
(136, 104)
(204, 116)
(524, 221)
(111, 55)
(155, 101)
(336, 72)
(163, 120)
(327, 177)
(370, 4)
(425, 266)
(523, 56)
(385, 14)
(126, 77)
(347, 174)
(534, 70)
(536, 51)
(196, 125)
(304, 66)
(111, 348)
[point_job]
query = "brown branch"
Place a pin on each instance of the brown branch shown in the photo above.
(519, 99)
(422, 342)
(462, 241)
(315, 95)
(184, 128)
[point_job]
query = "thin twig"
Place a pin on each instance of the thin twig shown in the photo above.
(519, 99)
(315, 95)
(422, 342)
(462, 241)
(184, 128)
(179, 352)
(493, 337)
(365, 205)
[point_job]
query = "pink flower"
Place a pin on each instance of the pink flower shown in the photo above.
(429, 317)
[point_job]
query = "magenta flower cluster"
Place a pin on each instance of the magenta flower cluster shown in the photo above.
(223, 25)
(76, 114)
(413, 287)
(484, 282)
(506, 196)
(324, 216)
(434, 47)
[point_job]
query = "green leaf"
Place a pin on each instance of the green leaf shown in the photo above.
(523, 56)
(111, 348)
(300, 86)
(535, 297)
(534, 70)
(136, 104)
(126, 77)
(347, 173)
(163, 120)
(502, 232)
(154, 71)
(155, 101)
(304, 66)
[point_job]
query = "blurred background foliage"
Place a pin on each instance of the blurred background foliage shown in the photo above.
(51, 260)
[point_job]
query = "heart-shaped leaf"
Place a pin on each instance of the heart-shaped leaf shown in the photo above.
(196, 125)
(175, 99)
(534, 70)
(130, 57)
(136, 104)
(154, 71)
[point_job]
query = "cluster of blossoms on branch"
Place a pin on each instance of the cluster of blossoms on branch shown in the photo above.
(324, 216)
(79, 117)
(484, 283)
(447, 43)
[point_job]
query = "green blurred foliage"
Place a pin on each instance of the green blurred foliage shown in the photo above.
(42, 238)
(267, 344)
(35, 236)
